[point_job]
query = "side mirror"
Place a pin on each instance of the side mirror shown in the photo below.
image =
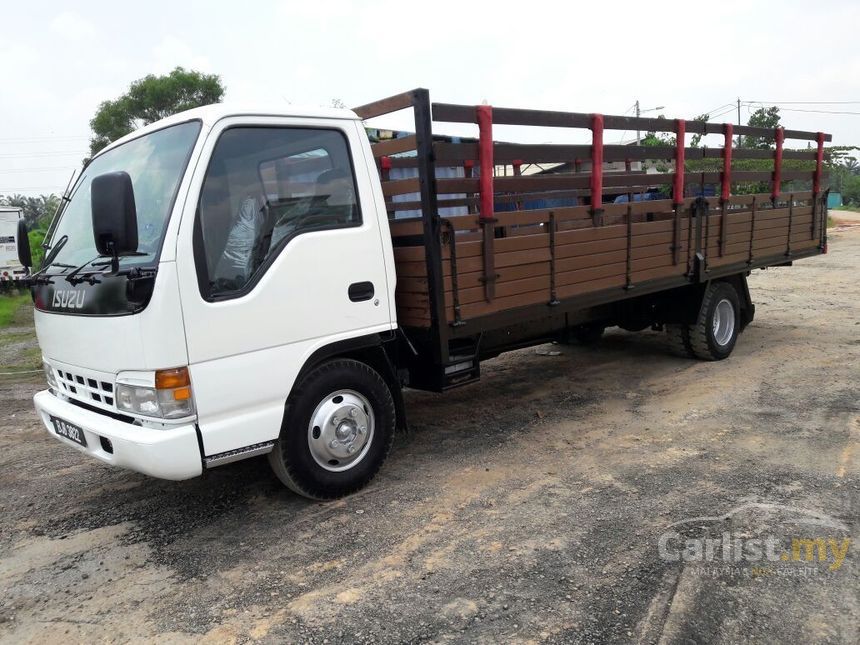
(114, 214)
(25, 257)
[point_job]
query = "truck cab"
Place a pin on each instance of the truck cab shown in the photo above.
(232, 282)
(197, 267)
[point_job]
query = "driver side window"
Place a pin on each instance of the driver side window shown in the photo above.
(264, 186)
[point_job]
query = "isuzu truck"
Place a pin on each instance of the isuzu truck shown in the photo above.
(231, 282)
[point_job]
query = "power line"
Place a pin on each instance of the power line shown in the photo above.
(808, 102)
(25, 140)
(28, 155)
(18, 189)
(845, 112)
(723, 113)
(719, 107)
(819, 111)
(44, 169)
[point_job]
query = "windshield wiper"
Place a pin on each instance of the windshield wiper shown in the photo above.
(55, 248)
(73, 278)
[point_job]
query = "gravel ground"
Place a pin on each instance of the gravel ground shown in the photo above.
(527, 507)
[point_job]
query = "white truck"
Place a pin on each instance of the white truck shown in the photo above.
(11, 269)
(232, 282)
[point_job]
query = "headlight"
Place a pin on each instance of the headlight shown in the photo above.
(49, 376)
(169, 399)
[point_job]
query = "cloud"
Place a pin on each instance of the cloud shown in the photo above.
(173, 52)
(71, 26)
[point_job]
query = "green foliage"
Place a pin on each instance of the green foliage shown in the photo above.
(696, 139)
(38, 211)
(851, 190)
(152, 98)
(37, 237)
(762, 118)
(9, 306)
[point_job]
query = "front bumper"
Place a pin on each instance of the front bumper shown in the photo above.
(167, 454)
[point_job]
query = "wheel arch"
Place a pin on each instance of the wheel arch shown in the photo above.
(375, 350)
(739, 282)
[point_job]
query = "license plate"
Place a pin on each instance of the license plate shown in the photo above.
(69, 431)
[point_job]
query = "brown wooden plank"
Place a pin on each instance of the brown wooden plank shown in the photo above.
(400, 186)
(394, 146)
(401, 228)
(386, 105)
(500, 304)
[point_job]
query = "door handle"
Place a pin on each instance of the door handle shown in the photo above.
(361, 291)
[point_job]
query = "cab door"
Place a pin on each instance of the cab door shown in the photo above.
(280, 252)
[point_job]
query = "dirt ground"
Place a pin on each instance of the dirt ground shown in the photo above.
(527, 507)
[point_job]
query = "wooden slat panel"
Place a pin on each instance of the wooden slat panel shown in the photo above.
(386, 105)
(400, 186)
(404, 227)
(512, 116)
(394, 146)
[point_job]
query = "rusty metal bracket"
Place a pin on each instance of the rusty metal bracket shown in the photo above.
(676, 235)
(553, 296)
(752, 229)
(628, 281)
(488, 224)
(790, 221)
(455, 287)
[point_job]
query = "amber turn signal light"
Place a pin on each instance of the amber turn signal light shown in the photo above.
(172, 378)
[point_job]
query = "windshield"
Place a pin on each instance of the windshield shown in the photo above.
(155, 162)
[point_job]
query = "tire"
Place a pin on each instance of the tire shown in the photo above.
(718, 324)
(702, 340)
(337, 431)
(679, 340)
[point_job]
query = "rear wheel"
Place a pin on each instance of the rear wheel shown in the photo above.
(714, 334)
(337, 431)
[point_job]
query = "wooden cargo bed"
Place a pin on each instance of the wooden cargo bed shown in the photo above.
(482, 227)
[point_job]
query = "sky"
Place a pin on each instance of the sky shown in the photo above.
(59, 60)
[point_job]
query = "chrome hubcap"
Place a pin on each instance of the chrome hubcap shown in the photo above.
(341, 430)
(724, 322)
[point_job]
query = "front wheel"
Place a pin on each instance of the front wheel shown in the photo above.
(337, 432)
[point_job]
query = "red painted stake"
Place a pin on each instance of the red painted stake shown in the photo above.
(727, 163)
(485, 158)
(678, 187)
(777, 164)
(596, 162)
(819, 165)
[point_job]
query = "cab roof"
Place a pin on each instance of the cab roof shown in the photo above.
(210, 114)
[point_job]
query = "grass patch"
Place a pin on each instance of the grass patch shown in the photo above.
(9, 306)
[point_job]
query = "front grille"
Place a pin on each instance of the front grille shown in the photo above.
(85, 388)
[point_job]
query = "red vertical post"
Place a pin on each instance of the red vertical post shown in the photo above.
(596, 164)
(777, 165)
(678, 186)
(819, 165)
(485, 183)
(485, 159)
(728, 130)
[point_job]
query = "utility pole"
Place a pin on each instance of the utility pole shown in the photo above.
(637, 123)
(638, 114)
(739, 120)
